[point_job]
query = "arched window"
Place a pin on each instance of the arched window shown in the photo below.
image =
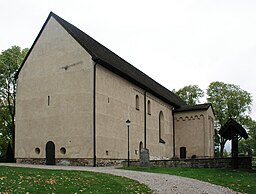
(161, 127)
(137, 101)
(149, 107)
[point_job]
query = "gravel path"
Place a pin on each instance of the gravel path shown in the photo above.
(159, 183)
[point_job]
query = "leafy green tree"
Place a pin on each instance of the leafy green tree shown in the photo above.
(190, 94)
(249, 146)
(216, 144)
(10, 60)
(5, 131)
(252, 134)
(228, 101)
(244, 147)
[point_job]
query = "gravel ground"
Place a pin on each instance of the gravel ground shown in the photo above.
(159, 183)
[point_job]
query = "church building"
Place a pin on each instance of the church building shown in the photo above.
(74, 97)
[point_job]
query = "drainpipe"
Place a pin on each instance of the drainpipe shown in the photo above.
(145, 119)
(94, 114)
(173, 128)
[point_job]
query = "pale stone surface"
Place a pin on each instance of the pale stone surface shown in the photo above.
(67, 120)
(115, 104)
(55, 103)
(195, 131)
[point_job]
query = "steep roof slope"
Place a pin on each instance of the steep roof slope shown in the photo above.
(232, 128)
(103, 56)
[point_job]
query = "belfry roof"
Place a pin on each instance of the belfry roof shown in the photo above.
(232, 128)
(108, 59)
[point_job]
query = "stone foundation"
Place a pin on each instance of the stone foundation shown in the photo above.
(59, 161)
(243, 163)
(39, 161)
(72, 161)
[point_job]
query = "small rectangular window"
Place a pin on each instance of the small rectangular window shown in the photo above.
(49, 100)
(149, 107)
(137, 102)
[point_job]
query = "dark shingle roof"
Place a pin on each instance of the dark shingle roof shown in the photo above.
(232, 128)
(193, 107)
(103, 56)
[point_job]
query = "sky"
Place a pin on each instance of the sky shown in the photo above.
(175, 42)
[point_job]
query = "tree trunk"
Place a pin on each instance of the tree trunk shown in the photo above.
(222, 145)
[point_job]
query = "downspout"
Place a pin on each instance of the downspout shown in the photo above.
(94, 115)
(145, 119)
(173, 128)
(204, 130)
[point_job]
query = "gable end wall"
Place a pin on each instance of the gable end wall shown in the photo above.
(55, 97)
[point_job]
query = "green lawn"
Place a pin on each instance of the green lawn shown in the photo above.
(27, 180)
(237, 180)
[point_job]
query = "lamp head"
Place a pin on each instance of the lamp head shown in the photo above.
(128, 123)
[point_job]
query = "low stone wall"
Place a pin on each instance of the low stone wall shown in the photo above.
(58, 161)
(72, 161)
(40, 161)
(109, 162)
(243, 163)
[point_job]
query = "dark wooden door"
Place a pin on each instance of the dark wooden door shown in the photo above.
(183, 153)
(50, 153)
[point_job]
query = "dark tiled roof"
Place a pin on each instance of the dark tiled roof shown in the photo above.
(194, 107)
(103, 56)
(232, 128)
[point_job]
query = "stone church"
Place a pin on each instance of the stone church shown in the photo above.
(74, 97)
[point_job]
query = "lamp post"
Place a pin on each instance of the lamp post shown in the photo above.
(128, 123)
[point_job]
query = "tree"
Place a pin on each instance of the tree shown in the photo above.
(228, 101)
(5, 131)
(244, 147)
(249, 146)
(10, 60)
(252, 134)
(190, 94)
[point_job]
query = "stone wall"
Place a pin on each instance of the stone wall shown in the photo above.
(243, 163)
(59, 161)
(72, 161)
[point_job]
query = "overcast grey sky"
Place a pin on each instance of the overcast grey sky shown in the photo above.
(177, 43)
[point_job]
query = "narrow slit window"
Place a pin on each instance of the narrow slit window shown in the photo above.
(137, 102)
(49, 100)
(149, 107)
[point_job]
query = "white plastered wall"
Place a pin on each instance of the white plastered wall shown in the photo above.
(195, 131)
(115, 103)
(67, 119)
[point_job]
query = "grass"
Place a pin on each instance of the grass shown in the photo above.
(27, 180)
(236, 180)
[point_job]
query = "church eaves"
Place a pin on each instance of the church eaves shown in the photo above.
(103, 56)
(195, 107)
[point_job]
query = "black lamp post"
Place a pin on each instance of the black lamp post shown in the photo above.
(128, 123)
